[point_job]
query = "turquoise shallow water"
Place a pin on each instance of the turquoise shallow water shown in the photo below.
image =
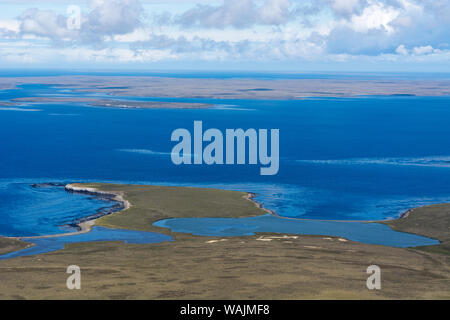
(371, 233)
(43, 245)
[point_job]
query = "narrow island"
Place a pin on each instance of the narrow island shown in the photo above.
(112, 103)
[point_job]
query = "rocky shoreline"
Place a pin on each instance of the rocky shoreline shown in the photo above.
(121, 203)
(85, 224)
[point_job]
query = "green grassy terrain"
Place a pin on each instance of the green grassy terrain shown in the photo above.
(9, 245)
(265, 266)
(152, 203)
(432, 221)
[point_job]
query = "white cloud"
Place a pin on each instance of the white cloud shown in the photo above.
(111, 17)
(106, 18)
(402, 50)
(234, 30)
(344, 7)
(275, 12)
(237, 14)
(419, 51)
(10, 25)
(423, 50)
(114, 55)
(375, 16)
(44, 23)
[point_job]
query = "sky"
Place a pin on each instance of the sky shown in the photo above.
(253, 35)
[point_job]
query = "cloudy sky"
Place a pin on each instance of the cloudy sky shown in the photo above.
(284, 35)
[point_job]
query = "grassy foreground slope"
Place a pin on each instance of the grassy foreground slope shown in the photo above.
(9, 245)
(256, 267)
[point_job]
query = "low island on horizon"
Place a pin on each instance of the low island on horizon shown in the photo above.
(167, 92)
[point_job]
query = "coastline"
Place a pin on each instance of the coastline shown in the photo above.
(216, 263)
(407, 213)
(251, 195)
(85, 224)
(110, 103)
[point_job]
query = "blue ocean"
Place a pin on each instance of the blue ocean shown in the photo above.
(362, 158)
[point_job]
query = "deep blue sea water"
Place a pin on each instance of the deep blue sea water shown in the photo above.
(33, 211)
(366, 158)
